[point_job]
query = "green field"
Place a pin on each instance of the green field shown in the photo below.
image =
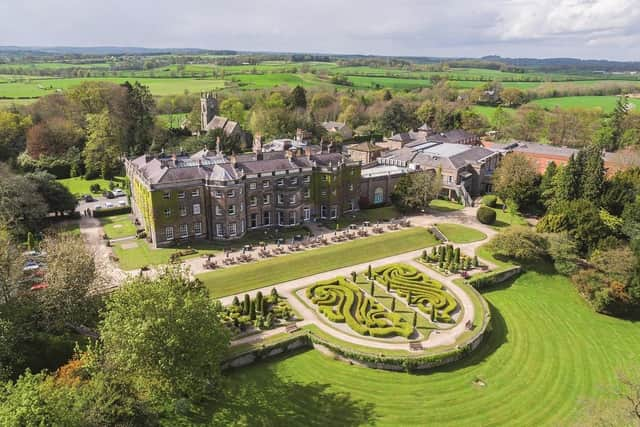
(605, 103)
(79, 186)
(281, 269)
(460, 234)
(118, 226)
(547, 355)
(157, 86)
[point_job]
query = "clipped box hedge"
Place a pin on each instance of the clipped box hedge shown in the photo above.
(485, 280)
(111, 211)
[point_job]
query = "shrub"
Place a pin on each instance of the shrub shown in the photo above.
(95, 188)
(111, 212)
(490, 200)
(486, 215)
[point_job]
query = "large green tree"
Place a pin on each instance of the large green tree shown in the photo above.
(515, 179)
(58, 197)
(102, 153)
(415, 191)
(165, 335)
(13, 134)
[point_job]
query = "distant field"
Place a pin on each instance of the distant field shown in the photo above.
(388, 82)
(265, 81)
(158, 87)
(489, 112)
(8, 103)
(606, 103)
(79, 186)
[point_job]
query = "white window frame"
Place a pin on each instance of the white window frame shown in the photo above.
(266, 215)
(306, 179)
(218, 194)
(183, 211)
(251, 220)
(280, 217)
(233, 229)
(219, 211)
(195, 193)
(323, 193)
(265, 183)
(196, 208)
(280, 198)
(294, 181)
(280, 182)
(167, 212)
(166, 195)
(266, 199)
(197, 228)
(220, 230)
(253, 201)
(324, 177)
(252, 186)
(307, 214)
(168, 233)
(350, 187)
(292, 218)
(307, 193)
(231, 193)
(231, 210)
(333, 212)
(181, 194)
(184, 230)
(292, 199)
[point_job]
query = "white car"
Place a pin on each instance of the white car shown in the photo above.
(118, 192)
(108, 205)
(122, 203)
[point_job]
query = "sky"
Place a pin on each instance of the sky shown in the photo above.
(596, 29)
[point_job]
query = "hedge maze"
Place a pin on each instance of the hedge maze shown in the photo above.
(427, 294)
(342, 302)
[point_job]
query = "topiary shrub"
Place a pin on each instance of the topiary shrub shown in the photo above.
(486, 215)
(490, 200)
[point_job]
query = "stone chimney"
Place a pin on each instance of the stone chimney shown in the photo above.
(288, 154)
(257, 144)
(233, 159)
(218, 146)
(307, 152)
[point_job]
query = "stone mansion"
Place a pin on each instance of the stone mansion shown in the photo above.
(209, 195)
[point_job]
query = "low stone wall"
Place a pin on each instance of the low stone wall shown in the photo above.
(289, 344)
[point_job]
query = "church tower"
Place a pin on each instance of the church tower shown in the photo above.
(208, 108)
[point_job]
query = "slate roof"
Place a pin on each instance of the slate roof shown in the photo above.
(444, 155)
(219, 122)
(366, 147)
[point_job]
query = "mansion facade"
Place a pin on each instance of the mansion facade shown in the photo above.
(209, 195)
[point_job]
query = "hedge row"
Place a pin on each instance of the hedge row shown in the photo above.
(484, 280)
(111, 211)
(341, 302)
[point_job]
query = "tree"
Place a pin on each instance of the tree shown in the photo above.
(564, 252)
(546, 188)
(397, 117)
(165, 334)
(11, 265)
(53, 137)
(417, 190)
(70, 276)
(519, 243)
(138, 119)
(617, 122)
(22, 208)
(512, 97)
(515, 179)
(592, 184)
(297, 98)
(58, 197)
(13, 134)
(233, 109)
(567, 182)
(102, 152)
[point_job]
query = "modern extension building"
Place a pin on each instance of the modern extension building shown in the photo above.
(212, 196)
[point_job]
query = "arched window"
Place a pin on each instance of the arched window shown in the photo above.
(378, 196)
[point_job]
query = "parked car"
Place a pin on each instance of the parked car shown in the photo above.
(108, 205)
(97, 208)
(118, 192)
(122, 203)
(88, 198)
(108, 194)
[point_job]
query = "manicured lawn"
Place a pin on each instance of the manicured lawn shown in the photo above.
(79, 186)
(118, 226)
(505, 219)
(142, 254)
(460, 234)
(606, 103)
(281, 269)
(547, 355)
(445, 205)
